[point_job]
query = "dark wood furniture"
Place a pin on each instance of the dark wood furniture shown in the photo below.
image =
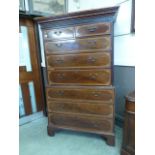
(128, 147)
(79, 62)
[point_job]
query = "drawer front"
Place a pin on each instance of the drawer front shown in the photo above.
(73, 46)
(82, 122)
(79, 60)
(93, 29)
(81, 108)
(88, 77)
(55, 34)
(106, 96)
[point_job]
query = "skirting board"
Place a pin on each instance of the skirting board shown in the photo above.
(119, 120)
(30, 118)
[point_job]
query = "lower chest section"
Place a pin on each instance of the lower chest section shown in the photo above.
(81, 108)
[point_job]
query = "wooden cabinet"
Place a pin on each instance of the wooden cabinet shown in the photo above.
(128, 147)
(79, 63)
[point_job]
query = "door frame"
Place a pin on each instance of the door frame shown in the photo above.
(35, 75)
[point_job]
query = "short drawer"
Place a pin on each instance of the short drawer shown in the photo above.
(102, 94)
(81, 122)
(87, 77)
(55, 34)
(102, 59)
(75, 46)
(93, 29)
(83, 107)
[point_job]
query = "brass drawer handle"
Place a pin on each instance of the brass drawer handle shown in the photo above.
(96, 94)
(60, 76)
(91, 60)
(92, 43)
(60, 93)
(92, 29)
(58, 32)
(59, 61)
(93, 76)
(58, 44)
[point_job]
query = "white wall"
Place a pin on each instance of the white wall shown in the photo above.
(88, 4)
(124, 41)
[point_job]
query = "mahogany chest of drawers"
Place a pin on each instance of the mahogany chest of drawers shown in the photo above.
(79, 63)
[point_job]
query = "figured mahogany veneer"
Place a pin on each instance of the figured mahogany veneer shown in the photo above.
(93, 29)
(87, 123)
(77, 31)
(73, 46)
(86, 77)
(102, 94)
(99, 59)
(83, 107)
(54, 34)
(79, 66)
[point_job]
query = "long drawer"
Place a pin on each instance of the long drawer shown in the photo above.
(75, 46)
(87, 77)
(101, 59)
(83, 107)
(103, 94)
(81, 122)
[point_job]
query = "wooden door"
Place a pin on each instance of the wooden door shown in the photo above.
(30, 75)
